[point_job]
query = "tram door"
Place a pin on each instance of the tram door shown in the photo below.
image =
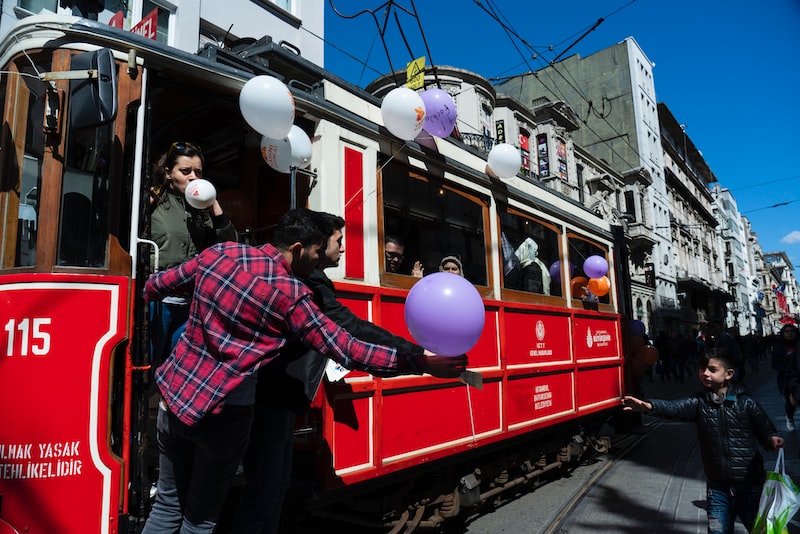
(65, 293)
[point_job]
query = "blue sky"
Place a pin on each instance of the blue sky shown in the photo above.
(728, 70)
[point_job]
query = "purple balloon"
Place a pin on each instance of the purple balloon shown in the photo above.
(445, 314)
(595, 266)
(440, 112)
(555, 271)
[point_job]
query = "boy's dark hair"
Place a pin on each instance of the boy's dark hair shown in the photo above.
(336, 222)
(718, 354)
(304, 226)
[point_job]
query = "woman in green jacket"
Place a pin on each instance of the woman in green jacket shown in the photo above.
(181, 232)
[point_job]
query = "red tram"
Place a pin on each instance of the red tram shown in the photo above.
(86, 110)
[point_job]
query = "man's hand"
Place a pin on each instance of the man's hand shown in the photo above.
(417, 270)
(444, 366)
(777, 442)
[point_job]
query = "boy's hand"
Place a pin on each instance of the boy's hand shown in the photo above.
(777, 442)
(633, 404)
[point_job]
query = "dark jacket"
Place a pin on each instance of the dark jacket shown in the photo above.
(292, 380)
(729, 434)
(784, 361)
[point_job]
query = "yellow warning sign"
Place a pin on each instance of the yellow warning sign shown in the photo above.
(415, 73)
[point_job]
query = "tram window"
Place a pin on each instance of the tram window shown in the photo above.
(529, 251)
(27, 91)
(434, 221)
(85, 198)
(579, 250)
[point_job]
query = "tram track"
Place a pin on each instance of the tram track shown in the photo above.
(629, 443)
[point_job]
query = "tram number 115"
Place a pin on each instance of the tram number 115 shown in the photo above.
(33, 337)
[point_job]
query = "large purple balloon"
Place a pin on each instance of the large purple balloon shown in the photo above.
(440, 109)
(444, 312)
(595, 266)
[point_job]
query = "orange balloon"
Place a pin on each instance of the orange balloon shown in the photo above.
(577, 284)
(599, 286)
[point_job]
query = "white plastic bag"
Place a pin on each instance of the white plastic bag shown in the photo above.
(780, 499)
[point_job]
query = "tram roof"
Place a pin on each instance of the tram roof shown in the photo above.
(228, 70)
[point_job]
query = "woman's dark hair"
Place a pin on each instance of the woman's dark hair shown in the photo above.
(302, 226)
(166, 162)
(717, 353)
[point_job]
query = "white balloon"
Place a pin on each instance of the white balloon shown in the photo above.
(504, 160)
(294, 149)
(403, 113)
(267, 105)
(200, 194)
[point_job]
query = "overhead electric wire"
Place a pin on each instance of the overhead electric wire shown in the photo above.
(494, 12)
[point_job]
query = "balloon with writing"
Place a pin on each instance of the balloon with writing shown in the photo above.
(440, 112)
(294, 149)
(200, 194)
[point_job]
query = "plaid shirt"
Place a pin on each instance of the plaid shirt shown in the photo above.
(246, 308)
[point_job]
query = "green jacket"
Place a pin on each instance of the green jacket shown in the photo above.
(181, 231)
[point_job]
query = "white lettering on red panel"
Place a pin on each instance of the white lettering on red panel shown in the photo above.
(541, 347)
(600, 338)
(148, 26)
(44, 460)
(542, 397)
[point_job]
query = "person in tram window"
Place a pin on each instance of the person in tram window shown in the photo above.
(180, 231)
(286, 388)
(451, 264)
(393, 249)
(248, 309)
(730, 426)
(534, 275)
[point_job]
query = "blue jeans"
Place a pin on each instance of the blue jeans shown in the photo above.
(725, 501)
(196, 466)
(167, 323)
(267, 471)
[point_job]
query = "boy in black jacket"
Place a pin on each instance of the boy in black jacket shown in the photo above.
(730, 426)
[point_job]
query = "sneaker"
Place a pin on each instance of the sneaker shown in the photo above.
(790, 424)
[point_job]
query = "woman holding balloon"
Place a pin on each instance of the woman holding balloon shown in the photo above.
(182, 223)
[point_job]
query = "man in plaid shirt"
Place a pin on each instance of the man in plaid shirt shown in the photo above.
(247, 307)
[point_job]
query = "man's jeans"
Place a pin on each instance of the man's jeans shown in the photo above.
(196, 466)
(267, 471)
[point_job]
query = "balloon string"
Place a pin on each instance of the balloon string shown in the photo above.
(471, 416)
